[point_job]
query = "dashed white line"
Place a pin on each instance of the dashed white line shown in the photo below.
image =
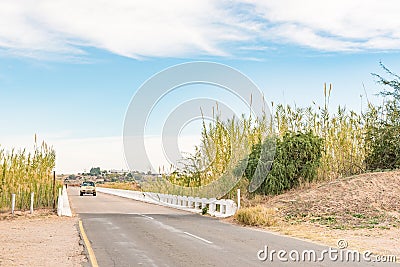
(198, 237)
(148, 217)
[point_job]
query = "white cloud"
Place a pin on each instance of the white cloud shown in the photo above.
(174, 28)
(332, 25)
(128, 28)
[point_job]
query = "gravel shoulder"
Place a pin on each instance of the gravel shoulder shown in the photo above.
(41, 239)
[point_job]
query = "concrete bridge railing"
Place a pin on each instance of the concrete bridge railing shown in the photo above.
(215, 207)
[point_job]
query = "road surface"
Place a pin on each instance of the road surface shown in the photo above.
(125, 232)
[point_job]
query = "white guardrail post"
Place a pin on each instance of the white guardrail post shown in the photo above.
(222, 206)
(238, 198)
(185, 201)
(203, 203)
(32, 199)
(59, 203)
(197, 203)
(12, 203)
(190, 202)
(212, 206)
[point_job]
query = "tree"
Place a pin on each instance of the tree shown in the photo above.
(392, 86)
(95, 171)
(383, 127)
(296, 160)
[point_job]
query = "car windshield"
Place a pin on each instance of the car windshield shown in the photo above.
(87, 184)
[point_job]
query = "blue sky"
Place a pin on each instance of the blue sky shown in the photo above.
(68, 70)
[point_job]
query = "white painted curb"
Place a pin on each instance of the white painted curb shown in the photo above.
(218, 208)
(63, 208)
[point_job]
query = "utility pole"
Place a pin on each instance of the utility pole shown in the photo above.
(54, 189)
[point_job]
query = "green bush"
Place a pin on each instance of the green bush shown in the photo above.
(296, 159)
(383, 142)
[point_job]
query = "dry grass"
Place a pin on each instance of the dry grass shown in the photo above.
(256, 216)
(120, 185)
(22, 215)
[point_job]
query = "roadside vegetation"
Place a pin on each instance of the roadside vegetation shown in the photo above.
(23, 172)
(351, 143)
(294, 147)
(258, 215)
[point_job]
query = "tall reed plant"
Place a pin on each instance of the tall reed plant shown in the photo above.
(23, 172)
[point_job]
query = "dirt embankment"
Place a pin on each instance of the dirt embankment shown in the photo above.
(41, 239)
(364, 210)
(366, 201)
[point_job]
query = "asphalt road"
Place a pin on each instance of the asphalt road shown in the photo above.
(125, 232)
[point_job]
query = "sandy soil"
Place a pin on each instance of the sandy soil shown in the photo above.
(369, 200)
(378, 241)
(363, 210)
(42, 239)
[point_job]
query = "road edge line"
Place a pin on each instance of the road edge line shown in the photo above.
(89, 249)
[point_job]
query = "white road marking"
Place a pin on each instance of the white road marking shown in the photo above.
(172, 229)
(198, 237)
(148, 217)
